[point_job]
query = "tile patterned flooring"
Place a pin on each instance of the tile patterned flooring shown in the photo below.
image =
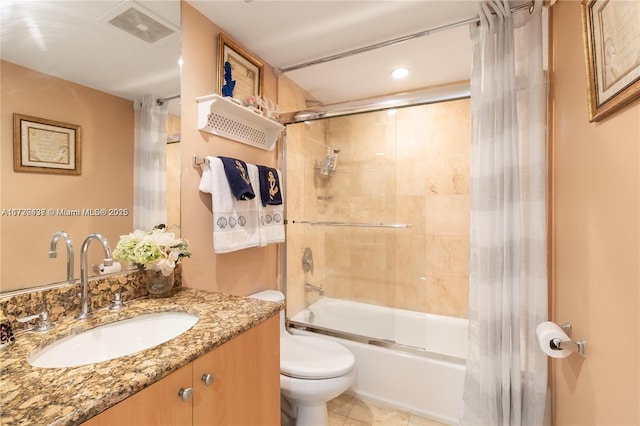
(347, 410)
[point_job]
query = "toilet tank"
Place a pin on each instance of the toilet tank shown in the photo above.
(272, 296)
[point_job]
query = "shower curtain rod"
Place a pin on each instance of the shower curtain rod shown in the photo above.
(163, 100)
(392, 42)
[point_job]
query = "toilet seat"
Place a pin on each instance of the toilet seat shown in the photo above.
(306, 357)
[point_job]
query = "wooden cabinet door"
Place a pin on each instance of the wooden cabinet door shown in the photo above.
(246, 384)
(159, 404)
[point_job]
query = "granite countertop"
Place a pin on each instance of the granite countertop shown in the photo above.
(64, 396)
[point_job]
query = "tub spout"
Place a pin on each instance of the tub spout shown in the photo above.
(311, 287)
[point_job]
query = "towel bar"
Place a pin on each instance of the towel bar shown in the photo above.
(197, 160)
(356, 224)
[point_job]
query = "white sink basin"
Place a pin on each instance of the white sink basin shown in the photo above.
(113, 340)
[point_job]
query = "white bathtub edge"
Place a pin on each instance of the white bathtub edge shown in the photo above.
(417, 385)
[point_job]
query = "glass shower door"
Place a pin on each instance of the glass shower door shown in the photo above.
(389, 228)
(346, 216)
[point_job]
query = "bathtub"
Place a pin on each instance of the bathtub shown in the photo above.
(412, 361)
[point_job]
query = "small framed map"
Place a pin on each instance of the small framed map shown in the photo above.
(611, 31)
(46, 146)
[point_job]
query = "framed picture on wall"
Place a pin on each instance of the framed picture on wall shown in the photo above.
(246, 70)
(611, 32)
(46, 146)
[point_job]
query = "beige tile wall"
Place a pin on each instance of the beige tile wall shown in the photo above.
(411, 167)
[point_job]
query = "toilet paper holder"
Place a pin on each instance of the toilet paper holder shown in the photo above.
(578, 346)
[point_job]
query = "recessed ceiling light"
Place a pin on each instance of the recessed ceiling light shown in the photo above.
(399, 73)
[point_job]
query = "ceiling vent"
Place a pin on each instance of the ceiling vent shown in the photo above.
(139, 22)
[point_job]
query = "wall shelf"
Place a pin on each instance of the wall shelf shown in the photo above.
(223, 117)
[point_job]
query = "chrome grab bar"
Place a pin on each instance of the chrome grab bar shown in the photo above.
(355, 224)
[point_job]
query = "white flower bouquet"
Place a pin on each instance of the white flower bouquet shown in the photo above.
(156, 250)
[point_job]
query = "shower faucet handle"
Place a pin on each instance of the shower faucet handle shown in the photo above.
(307, 260)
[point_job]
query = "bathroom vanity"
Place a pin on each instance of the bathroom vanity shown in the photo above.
(236, 383)
(224, 370)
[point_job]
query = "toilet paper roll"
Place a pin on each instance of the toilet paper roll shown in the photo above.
(547, 332)
(116, 267)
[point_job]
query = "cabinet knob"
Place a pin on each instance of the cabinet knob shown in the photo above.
(208, 378)
(185, 394)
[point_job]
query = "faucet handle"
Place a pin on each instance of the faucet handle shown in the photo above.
(28, 318)
(43, 323)
(307, 260)
(116, 303)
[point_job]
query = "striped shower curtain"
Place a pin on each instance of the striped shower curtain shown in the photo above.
(506, 379)
(149, 163)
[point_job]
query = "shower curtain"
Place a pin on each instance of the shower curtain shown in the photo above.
(149, 163)
(506, 377)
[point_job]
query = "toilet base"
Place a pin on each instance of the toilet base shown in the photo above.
(306, 400)
(311, 413)
(286, 419)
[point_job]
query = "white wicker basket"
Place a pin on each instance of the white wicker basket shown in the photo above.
(223, 117)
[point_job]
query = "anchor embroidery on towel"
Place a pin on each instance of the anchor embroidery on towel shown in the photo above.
(273, 188)
(243, 172)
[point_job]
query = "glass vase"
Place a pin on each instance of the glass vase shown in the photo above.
(159, 285)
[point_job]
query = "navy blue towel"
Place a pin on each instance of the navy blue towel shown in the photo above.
(238, 178)
(270, 192)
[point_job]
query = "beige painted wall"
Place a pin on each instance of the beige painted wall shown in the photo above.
(241, 272)
(596, 230)
(595, 224)
(105, 182)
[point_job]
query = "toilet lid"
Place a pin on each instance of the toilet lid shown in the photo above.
(307, 357)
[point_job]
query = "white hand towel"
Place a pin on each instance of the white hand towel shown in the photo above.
(235, 222)
(271, 217)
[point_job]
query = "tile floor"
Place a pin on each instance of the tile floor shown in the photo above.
(347, 410)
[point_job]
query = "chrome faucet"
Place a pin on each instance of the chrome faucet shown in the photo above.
(43, 323)
(53, 252)
(84, 279)
(311, 287)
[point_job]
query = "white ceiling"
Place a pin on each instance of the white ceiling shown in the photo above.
(72, 40)
(287, 33)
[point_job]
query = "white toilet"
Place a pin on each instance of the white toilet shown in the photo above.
(312, 371)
